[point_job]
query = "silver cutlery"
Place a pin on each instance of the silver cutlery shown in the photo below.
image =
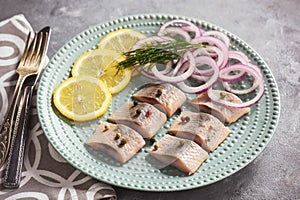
(29, 66)
(16, 153)
(6, 126)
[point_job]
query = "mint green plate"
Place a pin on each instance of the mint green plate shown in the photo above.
(249, 136)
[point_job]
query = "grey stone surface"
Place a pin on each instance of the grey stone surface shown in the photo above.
(270, 27)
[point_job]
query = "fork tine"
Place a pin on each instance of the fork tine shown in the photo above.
(30, 51)
(26, 48)
(36, 52)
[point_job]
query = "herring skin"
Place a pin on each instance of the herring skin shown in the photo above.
(109, 139)
(226, 114)
(164, 96)
(142, 117)
(205, 129)
(183, 154)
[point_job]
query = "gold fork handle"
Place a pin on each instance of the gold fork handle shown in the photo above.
(6, 129)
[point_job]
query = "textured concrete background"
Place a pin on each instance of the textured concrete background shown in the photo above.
(270, 27)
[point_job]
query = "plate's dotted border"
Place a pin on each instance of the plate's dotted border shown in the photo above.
(54, 128)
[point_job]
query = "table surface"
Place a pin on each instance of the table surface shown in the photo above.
(270, 27)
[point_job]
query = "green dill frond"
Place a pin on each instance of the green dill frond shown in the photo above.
(159, 53)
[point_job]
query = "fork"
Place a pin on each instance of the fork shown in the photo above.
(29, 65)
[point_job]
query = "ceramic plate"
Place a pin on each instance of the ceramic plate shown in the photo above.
(249, 136)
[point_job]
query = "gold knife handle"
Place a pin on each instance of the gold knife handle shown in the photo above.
(14, 166)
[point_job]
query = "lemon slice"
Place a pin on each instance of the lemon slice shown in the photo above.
(82, 98)
(101, 63)
(121, 40)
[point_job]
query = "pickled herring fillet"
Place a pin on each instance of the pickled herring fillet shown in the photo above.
(142, 117)
(166, 97)
(116, 140)
(224, 113)
(185, 155)
(203, 128)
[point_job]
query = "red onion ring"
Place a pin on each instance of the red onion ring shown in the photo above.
(226, 77)
(173, 31)
(216, 55)
(253, 101)
(218, 35)
(236, 78)
(201, 52)
(177, 78)
(246, 91)
(153, 39)
(238, 55)
(242, 58)
(168, 68)
(204, 60)
(188, 89)
(216, 52)
(219, 44)
(194, 29)
(200, 77)
(149, 75)
(179, 64)
(256, 68)
(185, 25)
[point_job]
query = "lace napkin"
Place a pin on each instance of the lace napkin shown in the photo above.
(45, 174)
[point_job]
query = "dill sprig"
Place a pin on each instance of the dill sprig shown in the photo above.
(159, 53)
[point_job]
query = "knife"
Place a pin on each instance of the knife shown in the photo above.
(14, 166)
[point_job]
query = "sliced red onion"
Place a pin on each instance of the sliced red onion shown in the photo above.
(237, 77)
(219, 55)
(187, 56)
(226, 77)
(218, 35)
(201, 31)
(185, 25)
(256, 68)
(169, 68)
(204, 60)
(246, 91)
(253, 101)
(242, 58)
(149, 75)
(218, 43)
(200, 78)
(238, 55)
(177, 78)
(200, 52)
(173, 31)
(194, 29)
(193, 90)
(152, 40)
(216, 55)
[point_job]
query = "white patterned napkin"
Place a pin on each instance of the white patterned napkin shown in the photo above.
(45, 174)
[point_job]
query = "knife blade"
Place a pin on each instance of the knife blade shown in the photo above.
(13, 169)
